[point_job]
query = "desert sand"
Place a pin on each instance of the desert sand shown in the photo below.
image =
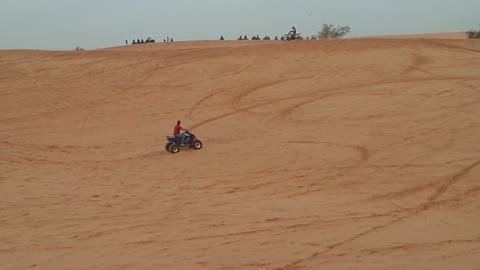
(448, 35)
(348, 154)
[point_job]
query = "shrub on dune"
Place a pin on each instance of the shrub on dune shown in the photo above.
(472, 34)
(329, 31)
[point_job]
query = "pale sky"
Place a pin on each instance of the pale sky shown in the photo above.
(65, 24)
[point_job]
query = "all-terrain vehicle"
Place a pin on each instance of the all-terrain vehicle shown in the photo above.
(292, 37)
(191, 141)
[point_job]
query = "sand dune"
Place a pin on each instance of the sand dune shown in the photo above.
(352, 154)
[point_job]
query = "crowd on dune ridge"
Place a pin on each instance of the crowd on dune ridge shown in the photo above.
(292, 35)
(148, 40)
(257, 37)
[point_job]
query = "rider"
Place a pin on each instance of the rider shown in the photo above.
(293, 32)
(176, 132)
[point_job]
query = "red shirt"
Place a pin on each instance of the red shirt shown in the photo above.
(176, 130)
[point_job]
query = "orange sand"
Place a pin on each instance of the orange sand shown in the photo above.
(349, 154)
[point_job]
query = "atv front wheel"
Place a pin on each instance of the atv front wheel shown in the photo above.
(197, 145)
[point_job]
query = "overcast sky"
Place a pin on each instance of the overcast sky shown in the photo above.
(64, 24)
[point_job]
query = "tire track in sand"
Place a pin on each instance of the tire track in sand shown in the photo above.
(312, 98)
(218, 117)
(237, 99)
(422, 207)
(205, 98)
(445, 186)
(364, 153)
(416, 62)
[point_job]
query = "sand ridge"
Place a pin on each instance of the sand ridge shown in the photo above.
(348, 154)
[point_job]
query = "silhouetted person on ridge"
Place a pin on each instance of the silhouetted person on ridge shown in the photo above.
(245, 37)
(293, 32)
(134, 42)
(221, 38)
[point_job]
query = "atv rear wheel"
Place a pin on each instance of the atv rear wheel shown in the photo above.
(167, 146)
(174, 149)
